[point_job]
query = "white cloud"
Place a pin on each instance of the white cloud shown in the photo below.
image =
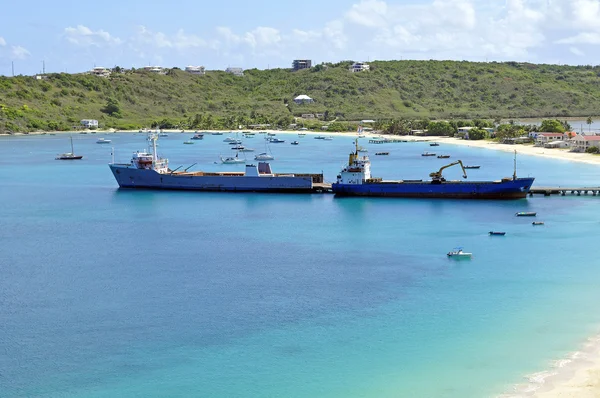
(179, 40)
(576, 51)
(581, 38)
(85, 37)
(18, 52)
(2, 41)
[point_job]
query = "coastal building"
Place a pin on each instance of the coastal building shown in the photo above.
(235, 71)
(303, 99)
(580, 143)
(195, 70)
(308, 116)
(89, 123)
(300, 64)
(155, 69)
(359, 67)
(544, 138)
(100, 71)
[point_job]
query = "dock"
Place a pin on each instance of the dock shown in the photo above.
(563, 191)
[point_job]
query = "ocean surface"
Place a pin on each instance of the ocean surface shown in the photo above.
(121, 293)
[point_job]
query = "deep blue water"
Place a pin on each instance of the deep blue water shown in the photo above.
(108, 293)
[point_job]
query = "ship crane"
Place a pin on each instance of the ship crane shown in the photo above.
(436, 176)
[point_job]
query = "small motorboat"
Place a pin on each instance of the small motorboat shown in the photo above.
(319, 137)
(301, 134)
(382, 153)
(434, 144)
(198, 136)
(276, 141)
(443, 156)
(497, 233)
(216, 133)
(230, 139)
(459, 253)
(427, 154)
(526, 214)
(103, 141)
(294, 142)
(188, 142)
(537, 223)
(238, 147)
(472, 167)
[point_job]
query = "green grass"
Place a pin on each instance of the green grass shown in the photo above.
(391, 90)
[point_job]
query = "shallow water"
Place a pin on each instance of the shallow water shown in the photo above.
(109, 292)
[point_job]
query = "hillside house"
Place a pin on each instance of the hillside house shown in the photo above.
(359, 67)
(235, 71)
(303, 99)
(155, 69)
(299, 64)
(195, 70)
(308, 116)
(89, 123)
(100, 71)
(580, 143)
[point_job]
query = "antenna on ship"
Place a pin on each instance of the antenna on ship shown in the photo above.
(112, 154)
(515, 166)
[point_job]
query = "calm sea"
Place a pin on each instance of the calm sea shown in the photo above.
(117, 293)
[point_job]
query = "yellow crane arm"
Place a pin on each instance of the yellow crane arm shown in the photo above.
(437, 175)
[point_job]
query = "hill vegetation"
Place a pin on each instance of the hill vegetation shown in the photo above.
(392, 90)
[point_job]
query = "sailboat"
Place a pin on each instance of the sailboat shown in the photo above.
(69, 155)
(265, 155)
(232, 159)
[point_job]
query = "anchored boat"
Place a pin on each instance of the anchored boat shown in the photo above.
(147, 170)
(355, 180)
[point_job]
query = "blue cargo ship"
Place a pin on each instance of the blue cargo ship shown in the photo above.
(355, 180)
(147, 170)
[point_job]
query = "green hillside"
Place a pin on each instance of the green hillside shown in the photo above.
(391, 90)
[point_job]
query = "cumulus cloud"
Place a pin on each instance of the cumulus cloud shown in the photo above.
(85, 37)
(576, 51)
(18, 52)
(180, 40)
(2, 42)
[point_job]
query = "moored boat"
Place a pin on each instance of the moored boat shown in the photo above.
(471, 167)
(434, 144)
(198, 136)
(103, 141)
(497, 233)
(382, 153)
(443, 156)
(537, 223)
(526, 214)
(427, 154)
(458, 252)
(294, 142)
(69, 155)
(355, 180)
(264, 156)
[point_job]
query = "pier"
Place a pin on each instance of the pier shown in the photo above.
(563, 191)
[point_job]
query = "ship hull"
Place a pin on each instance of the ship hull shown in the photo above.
(506, 189)
(130, 177)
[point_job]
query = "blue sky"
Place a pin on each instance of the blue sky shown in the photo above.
(75, 36)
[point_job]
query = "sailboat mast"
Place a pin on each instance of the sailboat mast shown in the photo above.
(72, 151)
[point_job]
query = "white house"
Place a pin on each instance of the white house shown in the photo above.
(580, 143)
(544, 138)
(303, 99)
(156, 69)
(195, 70)
(235, 71)
(89, 123)
(100, 71)
(359, 67)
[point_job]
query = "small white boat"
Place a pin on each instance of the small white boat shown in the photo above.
(458, 252)
(103, 141)
(232, 160)
(276, 140)
(230, 139)
(328, 138)
(188, 142)
(264, 156)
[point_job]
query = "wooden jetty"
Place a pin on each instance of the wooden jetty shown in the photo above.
(563, 191)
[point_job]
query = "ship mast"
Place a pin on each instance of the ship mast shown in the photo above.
(515, 166)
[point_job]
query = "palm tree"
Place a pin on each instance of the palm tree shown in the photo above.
(589, 122)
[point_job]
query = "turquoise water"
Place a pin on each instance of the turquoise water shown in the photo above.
(108, 293)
